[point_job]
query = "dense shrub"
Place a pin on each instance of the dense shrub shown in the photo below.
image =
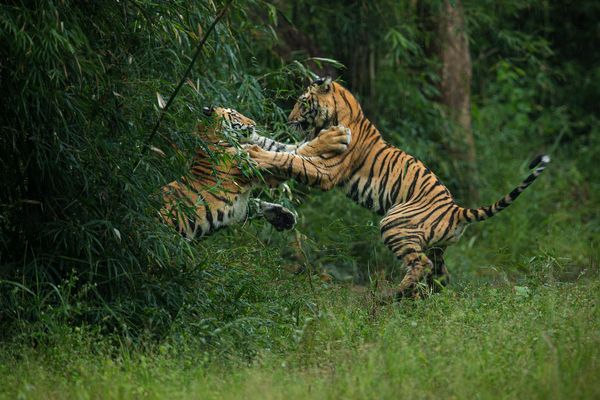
(81, 240)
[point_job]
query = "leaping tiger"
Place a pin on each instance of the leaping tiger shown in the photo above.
(421, 217)
(215, 196)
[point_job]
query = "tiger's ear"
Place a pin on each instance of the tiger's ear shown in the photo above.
(323, 84)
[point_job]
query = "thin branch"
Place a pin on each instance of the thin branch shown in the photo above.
(189, 68)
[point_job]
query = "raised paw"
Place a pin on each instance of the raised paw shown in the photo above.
(334, 140)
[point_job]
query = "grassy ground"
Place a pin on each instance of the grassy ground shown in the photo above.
(477, 341)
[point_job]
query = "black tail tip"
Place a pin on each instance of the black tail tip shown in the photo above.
(542, 158)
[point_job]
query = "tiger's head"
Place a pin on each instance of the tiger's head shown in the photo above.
(324, 104)
(225, 119)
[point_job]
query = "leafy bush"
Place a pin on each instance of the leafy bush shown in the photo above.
(81, 241)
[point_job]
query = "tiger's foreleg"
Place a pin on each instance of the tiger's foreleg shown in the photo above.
(310, 171)
(271, 144)
(328, 143)
(313, 163)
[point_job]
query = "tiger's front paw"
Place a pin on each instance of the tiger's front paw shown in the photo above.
(259, 155)
(335, 140)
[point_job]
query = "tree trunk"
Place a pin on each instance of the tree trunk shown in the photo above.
(455, 88)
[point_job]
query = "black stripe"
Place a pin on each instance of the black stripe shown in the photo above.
(411, 188)
(372, 170)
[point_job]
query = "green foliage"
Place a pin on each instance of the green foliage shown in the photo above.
(81, 239)
(82, 248)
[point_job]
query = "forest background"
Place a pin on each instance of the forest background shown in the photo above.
(91, 281)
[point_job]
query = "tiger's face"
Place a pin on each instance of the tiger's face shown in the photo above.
(230, 120)
(315, 109)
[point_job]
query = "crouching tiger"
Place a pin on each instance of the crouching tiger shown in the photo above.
(216, 196)
(421, 217)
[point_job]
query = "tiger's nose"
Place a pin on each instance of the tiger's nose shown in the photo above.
(208, 111)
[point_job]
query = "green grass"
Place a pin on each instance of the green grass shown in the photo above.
(476, 341)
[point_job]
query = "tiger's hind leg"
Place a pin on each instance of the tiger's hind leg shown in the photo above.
(407, 241)
(278, 216)
(418, 268)
(440, 277)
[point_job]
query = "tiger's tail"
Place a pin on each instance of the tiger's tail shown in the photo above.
(483, 213)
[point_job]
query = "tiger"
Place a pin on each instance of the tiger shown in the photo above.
(215, 196)
(420, 216)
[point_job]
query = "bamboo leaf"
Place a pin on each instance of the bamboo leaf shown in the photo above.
(161, 102)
